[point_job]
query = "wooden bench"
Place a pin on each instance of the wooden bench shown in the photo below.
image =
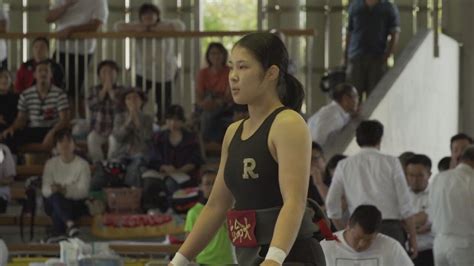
(121, 249)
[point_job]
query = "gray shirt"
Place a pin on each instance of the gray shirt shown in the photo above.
(7, 169)
(132, 140)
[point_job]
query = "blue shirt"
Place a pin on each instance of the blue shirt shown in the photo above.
(370, 26)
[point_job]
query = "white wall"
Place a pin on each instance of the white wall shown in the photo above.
(420, 110)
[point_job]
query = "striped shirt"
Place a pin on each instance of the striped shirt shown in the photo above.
(42, 112)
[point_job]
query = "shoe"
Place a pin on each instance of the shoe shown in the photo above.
(55, 239)
(72, 231)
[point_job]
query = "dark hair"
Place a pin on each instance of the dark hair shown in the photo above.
(41, 39)
(148, 7)
(331, 165)
(175, 111)
(126, 92)
(8, 74)
(460, 136)
(403, 158)
(368, 217)
(341, 90)
(221, 49)
(109, 63)
(269, 50)
(468, 154)
(369, 133)
(444, 163)
(419, 159)
(63, 133)
(316, 146)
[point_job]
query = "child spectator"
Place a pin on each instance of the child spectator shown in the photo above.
(7, 173)
(65, 186)
(103, 103)
(219, 251)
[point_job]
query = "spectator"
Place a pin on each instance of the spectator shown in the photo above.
(371, 22)
(133, 130)
(317, 189)
(3, 253)
(403, 158)
(147, 67)
(175, 149)
(42, 110)
(331, 167)
(65, 186)
(219, 251)
(103, 104)
(334, 116)
(3, 43)
(362, 244)
(7, 173)
(452, 199)
(418, 170)
(71, 16)
(370, 177)
(444, 163)
(458, 143)
(25, 75)
(214, 101)
(8, 101)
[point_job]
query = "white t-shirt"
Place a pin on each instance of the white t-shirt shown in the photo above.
(164, 58)
(3, 43)
(3, 253)
(81, 12)
(75, 176)
(327, 121)
(384, 251)
(421, 202)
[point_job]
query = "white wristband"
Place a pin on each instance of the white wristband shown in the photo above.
(179, 260)
(276, 255)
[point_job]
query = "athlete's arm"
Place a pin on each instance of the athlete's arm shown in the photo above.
(290, 140)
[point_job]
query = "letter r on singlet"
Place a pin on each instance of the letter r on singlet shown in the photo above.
(249, 167)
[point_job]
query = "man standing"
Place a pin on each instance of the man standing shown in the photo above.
(370, 177)
(334, 116)
(368, 47)
(452, 213)
(418, 170)
(73, 16)
(459, 142)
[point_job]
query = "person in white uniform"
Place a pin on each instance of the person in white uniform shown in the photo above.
(418, 170)
(452, 213)
(361, 243)
(333, 117)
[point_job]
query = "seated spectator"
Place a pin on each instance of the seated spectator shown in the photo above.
(362, 244)
(42, 110)
(451, 195)
(25, 74)
(444, 163)
(458, 143)
(219, 251)
(7, 173)
(331, 168)
(165, 62)
(103, 104)
(418, 172)
(65, 187)
(133, 132)
(334, 116)
(176, 150)
(317, 190)
(8, 102)
(214, 102)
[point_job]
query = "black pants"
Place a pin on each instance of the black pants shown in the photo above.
(25, 136)
(62, 210)
(158, 85)
(3, 205)
(365, 71)
(72, 79)
(4, 64)
(394, 229)
(425, 258)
